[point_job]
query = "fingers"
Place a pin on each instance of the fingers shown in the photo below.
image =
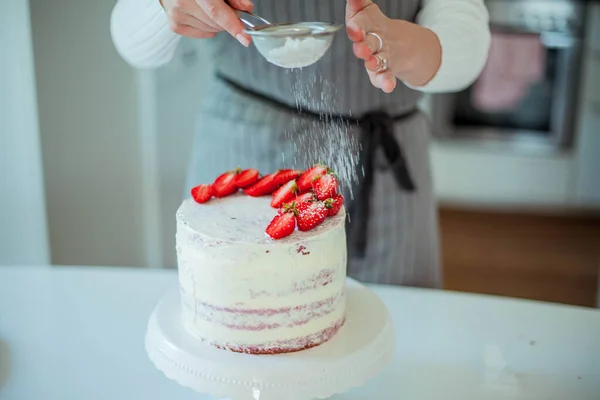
(388, 82)
(355, 34)
(385, 81)
(191, 32)
(204, 18)
(375, 62)
(364, 16)
(244, 5)
(367, 47)
(178, 17)
(355, 6)
(223, 15)
(356, 26)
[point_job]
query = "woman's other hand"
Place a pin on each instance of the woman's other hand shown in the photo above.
(406, 51)
(201, 19)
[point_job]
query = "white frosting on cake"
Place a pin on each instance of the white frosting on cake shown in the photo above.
(244, 291)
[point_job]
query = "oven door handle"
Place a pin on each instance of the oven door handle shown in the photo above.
(555, 40)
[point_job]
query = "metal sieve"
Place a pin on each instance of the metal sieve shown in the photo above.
(309, 40)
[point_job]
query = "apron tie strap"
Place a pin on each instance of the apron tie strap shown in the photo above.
(377, 132)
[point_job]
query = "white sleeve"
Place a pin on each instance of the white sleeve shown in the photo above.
(141, 34)
(462, 27)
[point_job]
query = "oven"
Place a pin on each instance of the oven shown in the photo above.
(526, 97)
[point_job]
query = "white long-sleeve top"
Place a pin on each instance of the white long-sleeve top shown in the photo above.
(141, 34)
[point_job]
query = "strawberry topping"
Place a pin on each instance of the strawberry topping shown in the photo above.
(325, 186)
(246, 178)
(334, 204)
(304, 199)
(307, 197)
(310, 215)
(202, 193)
(284, 194)
(267, 185)
(225, 185)
(282, 225)
(306, 179)
(286, 175)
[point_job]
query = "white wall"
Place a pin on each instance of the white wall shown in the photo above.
(89, 130)
(23, 234)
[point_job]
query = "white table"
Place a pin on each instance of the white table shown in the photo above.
(78, 333)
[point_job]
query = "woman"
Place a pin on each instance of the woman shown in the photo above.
(397, 49)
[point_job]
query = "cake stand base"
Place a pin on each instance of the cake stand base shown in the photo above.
(359, 351)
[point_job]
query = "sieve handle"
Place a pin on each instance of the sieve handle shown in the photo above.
(242, 15)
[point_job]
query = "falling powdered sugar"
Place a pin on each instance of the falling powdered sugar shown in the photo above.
(329, 139)
(298, 52)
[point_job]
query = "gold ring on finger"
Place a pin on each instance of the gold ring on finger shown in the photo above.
(382, 62)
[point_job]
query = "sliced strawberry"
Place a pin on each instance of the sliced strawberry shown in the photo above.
(246, 178)
(284, 194)
(306, 179)
(282, 225)
(266, 185)
(224, 185)
(334, 204)
(310, 215)
(325, 186)
(202, 193)
(286, 175)
(307, 197)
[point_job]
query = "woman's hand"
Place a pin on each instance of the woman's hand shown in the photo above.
(406, 51)
(202, 19)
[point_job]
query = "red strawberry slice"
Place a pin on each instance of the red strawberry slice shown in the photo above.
(246, 178)
(325, 186)
(306, 179)
(334, 204)
(307, 197)
(225, 185)
(310, 215)
(267, 185)
(284, 194)
(286, 175)
(202, 193)
(282, 225)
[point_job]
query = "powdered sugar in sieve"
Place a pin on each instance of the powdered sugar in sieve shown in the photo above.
(293, 45)
(298, 52)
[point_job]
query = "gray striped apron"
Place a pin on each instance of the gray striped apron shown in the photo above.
(237, 128)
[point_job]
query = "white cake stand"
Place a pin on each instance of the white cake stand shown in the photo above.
(360, 350)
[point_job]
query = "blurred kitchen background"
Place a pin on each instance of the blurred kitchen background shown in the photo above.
(93, 153)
